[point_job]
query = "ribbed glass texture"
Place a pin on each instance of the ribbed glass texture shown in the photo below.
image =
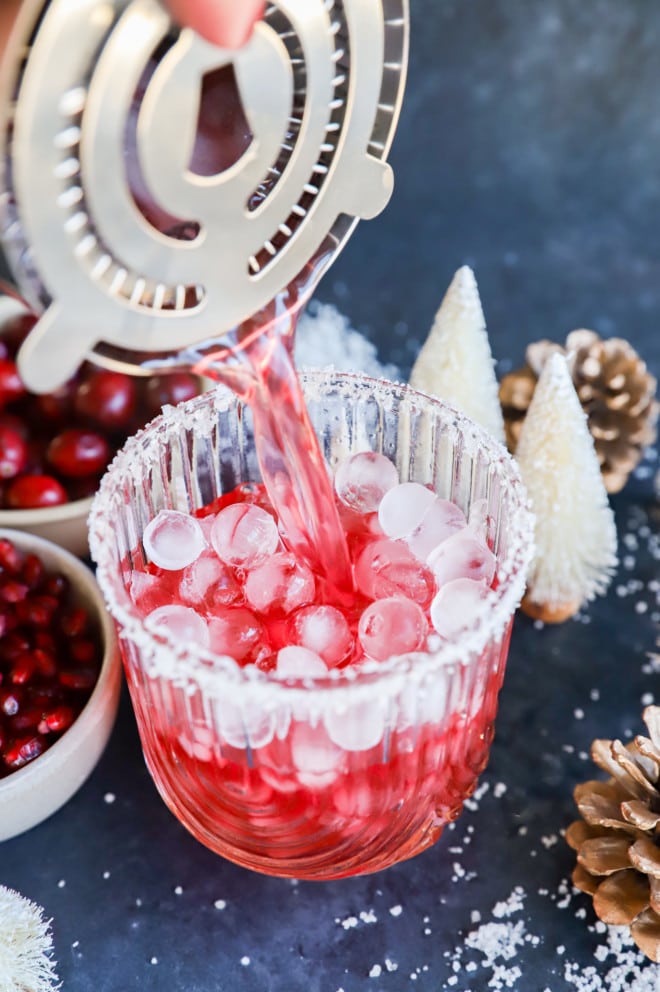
(338, 776)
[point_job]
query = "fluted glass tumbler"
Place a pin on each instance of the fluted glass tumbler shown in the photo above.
(336, 775)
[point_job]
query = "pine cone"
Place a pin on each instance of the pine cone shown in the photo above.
(615, 388)
(618, 839)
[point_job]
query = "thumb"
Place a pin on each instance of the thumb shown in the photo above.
(227, 23)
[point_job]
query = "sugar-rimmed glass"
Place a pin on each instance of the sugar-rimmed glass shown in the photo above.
(360, 769)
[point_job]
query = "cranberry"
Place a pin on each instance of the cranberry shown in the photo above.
(13, 453)
(172, 389)
(32, 491)
(58, 406)
(15, 331)
(11, 384)
(108, 399)
(78, 453)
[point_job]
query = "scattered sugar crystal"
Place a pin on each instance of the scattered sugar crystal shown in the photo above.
(220, 904)
(295, 662)
(180, 622)
(324, 630)
(396, 910)
(390, 627)
(154, 961)
(368, 916)
(456, 605)
(280, 583)
(245, 960)
(178, 891)
(173, 539)
(362, 480)
(441, 519)
(463, 555)
(244, 535)
(403, 507)
(376, 971)
(109, 798)
(388, 567)
(499, 789)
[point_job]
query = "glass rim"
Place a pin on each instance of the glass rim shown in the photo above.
(180, 661)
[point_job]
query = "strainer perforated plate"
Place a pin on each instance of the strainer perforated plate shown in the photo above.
(115, 227)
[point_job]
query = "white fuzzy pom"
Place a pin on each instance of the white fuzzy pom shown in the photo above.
(456, 363)
(575, 532)
(25, 946)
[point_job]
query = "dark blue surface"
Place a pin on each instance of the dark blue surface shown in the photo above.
(529, 148)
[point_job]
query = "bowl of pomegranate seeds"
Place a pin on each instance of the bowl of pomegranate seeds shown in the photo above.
(60, 677)
(55, 447)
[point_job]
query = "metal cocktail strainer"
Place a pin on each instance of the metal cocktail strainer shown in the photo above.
(123, 227)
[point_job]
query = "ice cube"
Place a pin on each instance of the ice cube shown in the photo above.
(279, 583)
(146, 591)
(402, 508)
(181, 623)
(356, 726)
(236, 631)
(442, 519)
(173, 539)
(362, 480)
(208, 582)
(389, 568)
(456, 606)
(324, 630)
(198, 741)
(464, 555)
(295, 662)
(392, 626)
(244, 534)
(316, 758)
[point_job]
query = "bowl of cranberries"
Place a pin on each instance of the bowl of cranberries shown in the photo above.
(55, 447)
(60, 678)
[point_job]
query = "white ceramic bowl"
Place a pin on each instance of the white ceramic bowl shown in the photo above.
(65, 525)
(33, 793)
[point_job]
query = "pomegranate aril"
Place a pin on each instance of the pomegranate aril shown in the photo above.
(23, 750)
(57, 720)
(22, 669)
(10, 701)
(78, 679)
(45, 662)
(83, 651)
(12, 591)
(13, 645)
(11, 558)
(37, 611)
(74, 622)
(27, 719)
(55, 584)
(32, 572)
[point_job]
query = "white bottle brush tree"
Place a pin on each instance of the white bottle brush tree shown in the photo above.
(575, 533)
(25, 946)
(455, 362)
